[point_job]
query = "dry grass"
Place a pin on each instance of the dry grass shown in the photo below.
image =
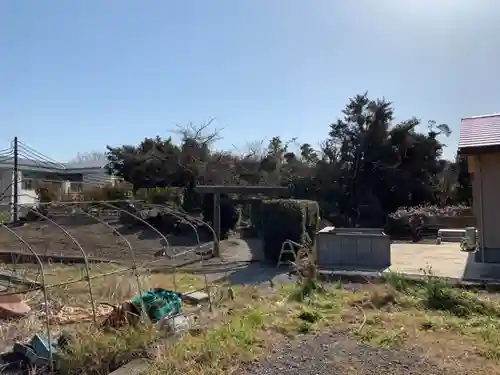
(69, 304)
(456, 329)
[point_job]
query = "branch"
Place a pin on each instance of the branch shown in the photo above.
(196, 132)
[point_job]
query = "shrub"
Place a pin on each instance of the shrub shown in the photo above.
(288, 219)
(106, 193)
(229, 214)
(428, 211)
(4, 217)
(48, 193)
(417, 218)
(172, 195)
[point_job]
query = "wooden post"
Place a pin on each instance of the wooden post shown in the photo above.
(216, 223)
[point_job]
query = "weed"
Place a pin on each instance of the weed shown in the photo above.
(310, 316)
(307, 276)
(373, 320)
(238, 339)
(427, 325)
(304, 328)
(396, 281)
(439, 296)
(391, 338)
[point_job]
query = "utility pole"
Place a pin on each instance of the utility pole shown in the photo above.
(15, 200)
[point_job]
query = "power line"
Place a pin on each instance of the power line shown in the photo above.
(6, 152)
(25, 146)
(30, 155)
(39, 163)
(35, 158)
(38, 155)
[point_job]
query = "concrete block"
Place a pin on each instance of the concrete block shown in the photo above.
(195, 298)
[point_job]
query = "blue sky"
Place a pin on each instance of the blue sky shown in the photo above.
(77, 75)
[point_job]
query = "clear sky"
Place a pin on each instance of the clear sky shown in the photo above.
(77, 75)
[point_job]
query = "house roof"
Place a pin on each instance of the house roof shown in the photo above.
(479, 131)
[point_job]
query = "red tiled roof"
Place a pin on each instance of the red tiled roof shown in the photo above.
(480, 131)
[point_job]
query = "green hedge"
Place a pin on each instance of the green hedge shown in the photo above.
(288, 219)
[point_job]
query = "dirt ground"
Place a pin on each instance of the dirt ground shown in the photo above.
(334, 353)
(96, 239)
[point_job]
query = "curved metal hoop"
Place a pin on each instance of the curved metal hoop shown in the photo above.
(84, 255)
(44, 288)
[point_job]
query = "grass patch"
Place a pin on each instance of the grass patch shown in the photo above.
(430, 313)
(254, 324)
(241, 332)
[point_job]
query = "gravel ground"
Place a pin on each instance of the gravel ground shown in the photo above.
(337, 354)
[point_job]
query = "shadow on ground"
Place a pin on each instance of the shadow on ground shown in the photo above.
(242, 262)
(245, 273)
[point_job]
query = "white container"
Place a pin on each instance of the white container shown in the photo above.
(171, 325)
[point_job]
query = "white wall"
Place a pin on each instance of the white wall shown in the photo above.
(5, 190)
(26, 196)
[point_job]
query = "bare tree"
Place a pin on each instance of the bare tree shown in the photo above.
(254, 150)
(201, 134)
(89, 156)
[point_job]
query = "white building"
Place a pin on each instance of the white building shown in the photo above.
(69, 177)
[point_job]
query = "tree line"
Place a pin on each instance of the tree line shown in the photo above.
(366, 167)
